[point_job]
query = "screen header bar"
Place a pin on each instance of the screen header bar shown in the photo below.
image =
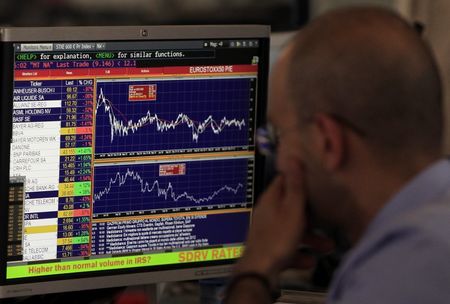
(110, 46)
(46, 34)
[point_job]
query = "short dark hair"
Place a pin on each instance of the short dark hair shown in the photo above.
(370, 67)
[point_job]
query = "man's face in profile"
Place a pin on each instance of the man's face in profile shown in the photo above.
(299, 140)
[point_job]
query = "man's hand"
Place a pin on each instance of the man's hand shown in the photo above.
(277, 228)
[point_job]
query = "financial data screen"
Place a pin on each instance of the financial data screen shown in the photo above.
(130, 154)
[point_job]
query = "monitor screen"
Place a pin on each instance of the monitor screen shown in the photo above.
(128, 153)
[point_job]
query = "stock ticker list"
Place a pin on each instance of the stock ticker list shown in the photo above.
(121, 154)
(52, 148)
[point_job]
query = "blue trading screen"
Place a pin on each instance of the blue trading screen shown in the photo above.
(119, 152)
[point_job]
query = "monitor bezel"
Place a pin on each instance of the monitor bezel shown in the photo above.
(145, 275)
(98, 33)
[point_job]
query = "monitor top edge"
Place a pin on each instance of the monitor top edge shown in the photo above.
(95, 33)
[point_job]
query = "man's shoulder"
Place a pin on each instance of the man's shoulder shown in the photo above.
(420, 210)
(407, 260)
(429, 224)
(432, 220)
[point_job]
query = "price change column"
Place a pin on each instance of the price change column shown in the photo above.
(75, 168)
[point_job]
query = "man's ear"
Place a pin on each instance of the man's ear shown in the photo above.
(329, 140)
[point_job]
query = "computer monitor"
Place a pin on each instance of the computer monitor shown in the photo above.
(127, 153)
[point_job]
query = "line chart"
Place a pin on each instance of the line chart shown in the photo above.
(181, 114)
(143, 187)
(121, 128)
(120, 179)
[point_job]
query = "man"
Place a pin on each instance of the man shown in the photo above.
(356, 104)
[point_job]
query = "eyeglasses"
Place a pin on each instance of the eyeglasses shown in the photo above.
(267, 138)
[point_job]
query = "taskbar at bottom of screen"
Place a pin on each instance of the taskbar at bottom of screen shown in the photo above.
(163, 211)
(21, 270)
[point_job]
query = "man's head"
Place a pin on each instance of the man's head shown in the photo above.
(356, 99)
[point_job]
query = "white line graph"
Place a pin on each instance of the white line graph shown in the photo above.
(123, 128)
(155, 187)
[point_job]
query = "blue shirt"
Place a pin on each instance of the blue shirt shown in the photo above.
(404, 256)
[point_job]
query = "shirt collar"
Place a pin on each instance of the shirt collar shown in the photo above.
(428, 185)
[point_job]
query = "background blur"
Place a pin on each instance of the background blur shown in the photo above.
(282, 15)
